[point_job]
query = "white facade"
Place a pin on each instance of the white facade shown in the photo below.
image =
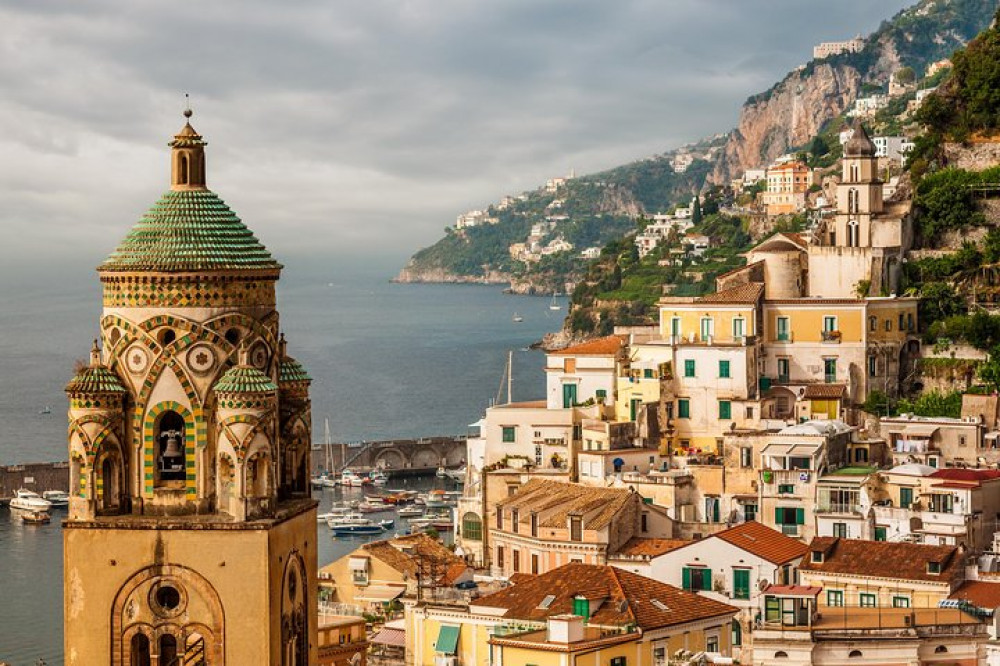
(892, 147)
(573, 380)
(827, 49)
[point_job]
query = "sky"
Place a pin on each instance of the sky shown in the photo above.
(361, 128)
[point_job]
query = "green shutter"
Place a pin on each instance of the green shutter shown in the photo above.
(905, 497)
(706, 579)
(689, 368)
(778, 517)
(723, 369)
(800, 516)
(725, 409)
(741, 583)
(686, 578)
(880, 534)
(683, 408)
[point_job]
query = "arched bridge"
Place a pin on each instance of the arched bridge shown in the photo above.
(398, 457)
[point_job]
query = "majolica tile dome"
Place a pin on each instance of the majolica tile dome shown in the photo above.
(190, 228)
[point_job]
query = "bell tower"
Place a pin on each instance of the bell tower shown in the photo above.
(191, 535)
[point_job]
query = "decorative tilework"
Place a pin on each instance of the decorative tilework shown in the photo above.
(258, 424)
(199, 291)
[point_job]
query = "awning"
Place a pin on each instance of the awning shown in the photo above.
(357, 564)
(922, 430)
(380, 593)
(774, 449)
(390, 636)
(447, 642)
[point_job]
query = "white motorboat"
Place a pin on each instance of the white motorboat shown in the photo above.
(30, 501)
(517, 318)
(56, 497)
(410, 512)
(554, 305)
(378, 478)
(334, 513)
(350, 479)
(455, 474)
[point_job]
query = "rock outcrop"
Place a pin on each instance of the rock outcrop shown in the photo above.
(409, 274)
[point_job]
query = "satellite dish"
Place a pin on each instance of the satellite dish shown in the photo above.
(762, 585)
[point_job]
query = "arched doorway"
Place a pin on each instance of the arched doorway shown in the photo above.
(139, 649)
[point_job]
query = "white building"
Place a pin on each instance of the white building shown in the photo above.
(583, 372)
(868, 106)
(892, 147)
(590, 253)
(827, 49)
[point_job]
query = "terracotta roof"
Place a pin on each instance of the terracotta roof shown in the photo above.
(628, 598)
(884, 559)
(781, 238)
(824, 391)
(762, 541)
(642, 547)
(430, 556)
(555, 501)
(748, 293)
(973, 475)
(520, 577)
(739, 269)
(980, 593)
(794, 590)
(606, 346)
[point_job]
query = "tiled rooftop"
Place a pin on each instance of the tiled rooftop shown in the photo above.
(555, 501)
(762, 541)
(884, 559)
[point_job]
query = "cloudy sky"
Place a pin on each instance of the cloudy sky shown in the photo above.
(363, 127)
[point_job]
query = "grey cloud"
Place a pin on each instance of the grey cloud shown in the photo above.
(366, 125)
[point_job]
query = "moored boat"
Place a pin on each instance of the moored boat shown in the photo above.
(56, 497)
(410, 512)
(387, 524)
(31, 501)
(378, 478)
(35, 517)
(350, 479)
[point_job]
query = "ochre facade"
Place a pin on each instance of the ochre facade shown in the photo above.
(191, 535)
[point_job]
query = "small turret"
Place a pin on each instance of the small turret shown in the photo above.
(187, 158)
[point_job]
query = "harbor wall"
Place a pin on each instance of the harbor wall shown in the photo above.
(34, 476)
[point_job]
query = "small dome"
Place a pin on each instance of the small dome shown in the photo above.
(291, 371)
(95, 380)
(859, 145)
(244, 379)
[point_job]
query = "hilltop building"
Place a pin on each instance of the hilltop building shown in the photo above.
(827, 49)
(191, 534)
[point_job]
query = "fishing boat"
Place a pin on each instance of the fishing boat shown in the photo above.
(388, 523)
(352, 526)
(554, 305)
(334, 513)
(35, 517)
(29, 501)
(56, 497)
(374, 507)
(378, 478)
(517, 318)
(410, 512)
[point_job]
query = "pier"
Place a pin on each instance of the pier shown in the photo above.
(397, 457)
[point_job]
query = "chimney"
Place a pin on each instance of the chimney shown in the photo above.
(565, 629)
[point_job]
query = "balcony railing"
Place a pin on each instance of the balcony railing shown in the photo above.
(838, 507)
(831, 336)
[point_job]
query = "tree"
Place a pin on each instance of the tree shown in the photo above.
(818, 147)
(989, 370)
(905, 76)
(696, 210)
(938, 301)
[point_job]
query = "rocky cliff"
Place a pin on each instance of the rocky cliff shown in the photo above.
(410, 274)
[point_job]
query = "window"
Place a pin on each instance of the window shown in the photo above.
(534, 563)
(749, 512)
(712, 644)
(647, 373)
(644, 522)
(961, 440)
(499, 519)
(783, 370)
(873, 323)
(888, 324)
(881, 533)
(575, 528)
(724, 369)
(581, 607)
(500, 556)
(829, 323)
(569, 396)
(675, 327)
(772, 609)
(534, 524)
(909, 321)
(933, 567)
(855, 654)
(171, 444)
(746, 457)
(472, 527)
(942, 503)
(900, 602)
(872, 366)
(829, 370)
(739, 328)
(902, 321)
(905, 497)
(601, 394)
(508, 434)
(840, 530)
(868, 600)
(689, 367)
(660, 656)
(782, 329)
(789, 518)
(683, 408)
(737, 633)
(786, 488)
(725, 409)
(617, 661)
(516, 560)
(707, 327)
(538, 455)
(834, 597)
(817, 556)
(696, 578)
(514, 521)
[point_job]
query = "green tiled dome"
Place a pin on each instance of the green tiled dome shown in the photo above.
(95, 379)
(189, 230)
(290, 371)
(244, 379)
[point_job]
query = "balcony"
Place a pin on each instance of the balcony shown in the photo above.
(848, 508)
(832, 337)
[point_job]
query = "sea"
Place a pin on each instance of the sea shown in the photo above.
(387, 361)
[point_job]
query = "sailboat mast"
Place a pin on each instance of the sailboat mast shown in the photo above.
(510, 374)
(327, 447)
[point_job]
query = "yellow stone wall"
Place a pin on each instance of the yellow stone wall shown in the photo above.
(806, 323)
(691, 315)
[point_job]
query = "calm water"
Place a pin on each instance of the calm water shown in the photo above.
(387, 361)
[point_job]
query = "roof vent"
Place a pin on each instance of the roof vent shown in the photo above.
(659, 604)
(546, 602)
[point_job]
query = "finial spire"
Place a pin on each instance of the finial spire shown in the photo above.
(187, 106)
(188, 159)
(95, 355)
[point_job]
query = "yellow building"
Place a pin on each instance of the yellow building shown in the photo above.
(787, 185)
(191, 534)
(881, 574)
(568, 612)
(342, 640)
